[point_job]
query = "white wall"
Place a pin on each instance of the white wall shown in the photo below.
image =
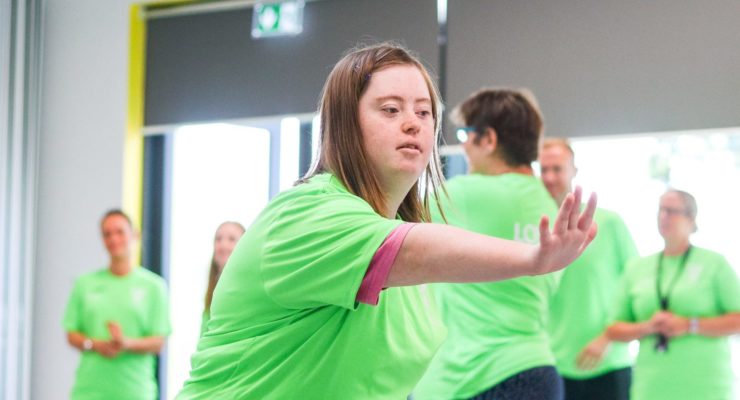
(83, 119)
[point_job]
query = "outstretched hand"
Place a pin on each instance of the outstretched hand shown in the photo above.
(571, 234)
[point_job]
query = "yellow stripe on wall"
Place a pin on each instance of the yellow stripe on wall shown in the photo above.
(133, 158)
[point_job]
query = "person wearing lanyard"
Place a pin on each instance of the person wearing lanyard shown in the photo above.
(682, 304)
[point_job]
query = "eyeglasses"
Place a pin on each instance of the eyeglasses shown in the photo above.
(463, 133)
(672, 211)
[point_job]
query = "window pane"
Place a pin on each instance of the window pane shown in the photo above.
(220, 172)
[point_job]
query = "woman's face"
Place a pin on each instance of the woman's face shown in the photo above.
(227, 235)
(117, 235)
(397, 124)
(674, 223)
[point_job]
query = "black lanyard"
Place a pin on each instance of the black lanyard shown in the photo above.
(663, 300)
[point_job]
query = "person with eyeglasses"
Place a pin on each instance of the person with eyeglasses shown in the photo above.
(497, 345)
(681, 304)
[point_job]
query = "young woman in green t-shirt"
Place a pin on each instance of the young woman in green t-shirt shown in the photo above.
(292, 315)
(681, 304)
(224, 241)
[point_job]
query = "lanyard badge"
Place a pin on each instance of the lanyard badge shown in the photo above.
(661, 345)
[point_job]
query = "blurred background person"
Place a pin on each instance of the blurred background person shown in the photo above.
(227, 235)
(591, 366)
(682, 304)
(118, 318)
(497, 345)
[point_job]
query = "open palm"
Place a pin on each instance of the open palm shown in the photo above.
(571, 234)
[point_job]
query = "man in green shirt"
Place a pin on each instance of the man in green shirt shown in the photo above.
(497, 345)
(118, 318)
(592, 367)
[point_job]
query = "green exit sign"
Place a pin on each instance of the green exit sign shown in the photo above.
(277, 19)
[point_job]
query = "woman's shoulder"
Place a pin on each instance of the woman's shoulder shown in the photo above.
(638, 265)
(706, 253)
(708, 257)
(149, 277)
(320, 191)
(92, 276)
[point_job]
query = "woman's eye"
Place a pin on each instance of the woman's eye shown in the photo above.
(424, 113)
(390, 110)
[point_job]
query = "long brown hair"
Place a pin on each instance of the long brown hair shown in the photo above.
(342, 151)
(215, 272)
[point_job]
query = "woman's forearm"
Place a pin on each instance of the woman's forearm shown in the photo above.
(151, 344)
(76, 340)
(441, 253)
(627, 331)
(724, 325)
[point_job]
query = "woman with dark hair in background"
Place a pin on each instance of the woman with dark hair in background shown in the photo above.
(227, 235)
(682, 304)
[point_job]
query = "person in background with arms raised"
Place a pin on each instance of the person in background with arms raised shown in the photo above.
(682, 304)
(118, 318)
(592, 367)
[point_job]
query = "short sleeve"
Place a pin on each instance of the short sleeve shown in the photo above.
(71, 321)
(160, 317)
(622, 308)
(727, 288)
(317, 249)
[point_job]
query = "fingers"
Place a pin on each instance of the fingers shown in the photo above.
(581, 360)
(588, 214)
(576, 210)
(544, 229)
(561, 221)
(570, 216)
(108, 349)
(593, 230)
(586, 360)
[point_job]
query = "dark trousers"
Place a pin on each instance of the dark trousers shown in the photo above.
(614, 385)
(540, 383)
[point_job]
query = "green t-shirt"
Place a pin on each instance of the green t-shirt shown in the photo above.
(495, 330)
(284, 321)
(695, 366)
(580, 309)
(138, 302)
(204, 318)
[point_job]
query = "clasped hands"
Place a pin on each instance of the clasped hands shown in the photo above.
(668, 324)
(117, 343)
